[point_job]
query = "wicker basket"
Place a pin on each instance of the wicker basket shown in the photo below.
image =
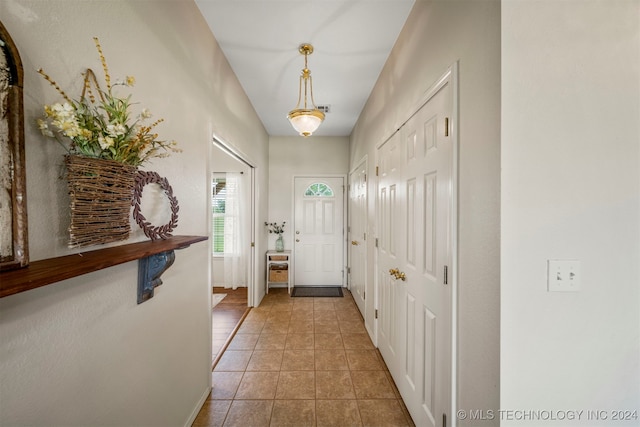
(278, 275)
(101, 192)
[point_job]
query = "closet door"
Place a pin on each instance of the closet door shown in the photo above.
(415, 202)
(357, 243)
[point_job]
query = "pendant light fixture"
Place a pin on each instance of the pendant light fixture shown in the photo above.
(305, 120)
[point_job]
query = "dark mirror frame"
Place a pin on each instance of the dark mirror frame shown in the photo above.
(14, 162)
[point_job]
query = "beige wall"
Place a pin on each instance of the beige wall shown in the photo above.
(571, 190)
(291, 156)
(81, 351)
(437, 34)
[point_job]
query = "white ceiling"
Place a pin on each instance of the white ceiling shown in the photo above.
(351, 39)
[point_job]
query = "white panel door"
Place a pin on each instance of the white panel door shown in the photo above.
(357, 236)
(415, 239)
(428, 182)
(389, 245)
(319, 231)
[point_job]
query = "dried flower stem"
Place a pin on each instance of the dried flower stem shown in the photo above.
(275, 227)
(87, 89)
(54, 84)
(98, 124)
(107, 77)
(88, 77)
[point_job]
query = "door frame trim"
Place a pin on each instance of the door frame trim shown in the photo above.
(252, 264)
(345, 180)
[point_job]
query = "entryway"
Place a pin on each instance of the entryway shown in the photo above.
(319, 231)
(232, 236)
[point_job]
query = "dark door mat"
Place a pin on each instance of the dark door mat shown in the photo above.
(316, 291)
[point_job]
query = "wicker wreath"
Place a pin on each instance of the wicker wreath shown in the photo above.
(154, 233)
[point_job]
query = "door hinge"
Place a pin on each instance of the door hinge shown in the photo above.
(364, 236)
(376, 242)
(253, 244)
(376, 313)
(376, 170)
(446, 126)
(365, 177)
(364, 295)
(446, 275)
(348, 270)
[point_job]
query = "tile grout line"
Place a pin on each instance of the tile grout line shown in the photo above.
(267, 314)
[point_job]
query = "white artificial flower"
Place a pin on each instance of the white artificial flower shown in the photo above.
(44, 127)
(63, 110)
(145, 114)
(116, 130)
(105, 142)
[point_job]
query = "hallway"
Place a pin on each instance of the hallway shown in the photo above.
(302, 362)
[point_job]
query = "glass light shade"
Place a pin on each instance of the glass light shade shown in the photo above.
(305, 122)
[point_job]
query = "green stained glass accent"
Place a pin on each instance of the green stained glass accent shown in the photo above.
(318, 189)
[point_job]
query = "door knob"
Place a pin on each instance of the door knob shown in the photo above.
(297, 232)
(398, 274)
(354, 243)
(297, 240)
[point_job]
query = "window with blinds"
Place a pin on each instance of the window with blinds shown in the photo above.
(218, 202)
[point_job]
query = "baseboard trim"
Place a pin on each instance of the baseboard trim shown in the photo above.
(199, 405)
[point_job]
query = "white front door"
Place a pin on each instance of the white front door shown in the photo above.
(319, 231)
(415, 210)
(357, 235)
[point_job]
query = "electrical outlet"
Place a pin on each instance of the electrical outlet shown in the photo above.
(563, 275)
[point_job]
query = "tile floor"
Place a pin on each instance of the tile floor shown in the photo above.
(226, 316)
(302, 362)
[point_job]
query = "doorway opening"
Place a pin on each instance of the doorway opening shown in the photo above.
(319, 218)
(232, 235)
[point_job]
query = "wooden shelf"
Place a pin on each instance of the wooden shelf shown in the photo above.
(48, 271)
(283, 262)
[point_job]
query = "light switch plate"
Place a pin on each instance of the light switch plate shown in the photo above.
(563, 275)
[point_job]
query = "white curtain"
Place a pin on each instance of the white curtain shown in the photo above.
(235, 247)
